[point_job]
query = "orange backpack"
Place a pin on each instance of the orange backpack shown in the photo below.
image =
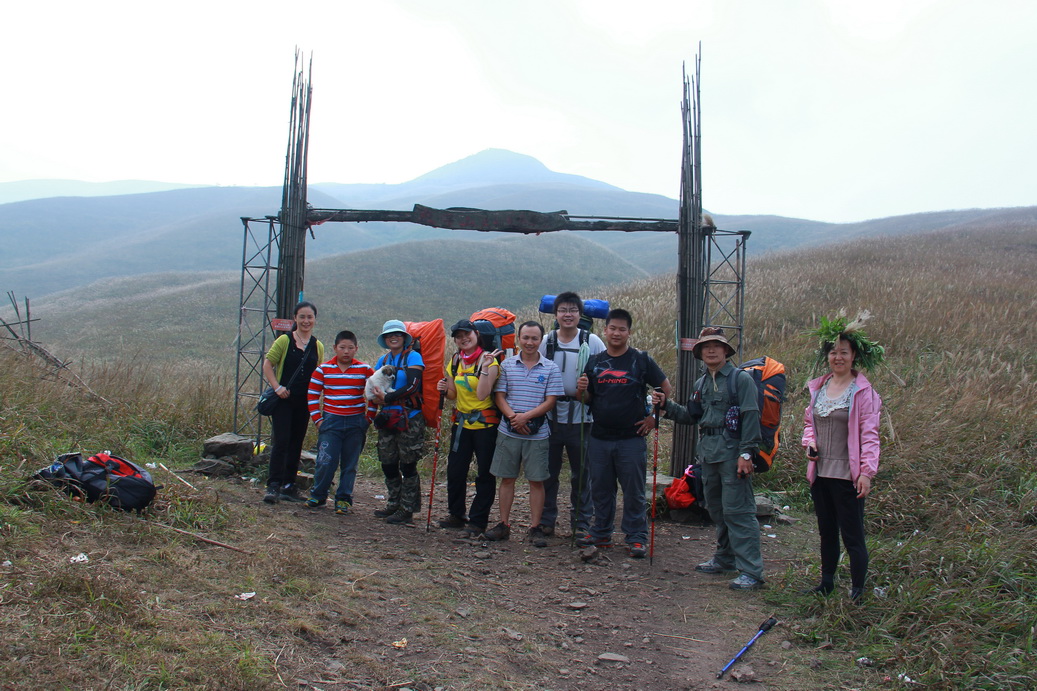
(430, 341)
(496, 327)
(769, 376)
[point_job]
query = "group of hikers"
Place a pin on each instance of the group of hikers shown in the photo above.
(569, 393)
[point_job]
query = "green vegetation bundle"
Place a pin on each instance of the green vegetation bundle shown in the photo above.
(869, 353)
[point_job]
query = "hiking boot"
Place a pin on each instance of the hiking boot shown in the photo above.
(387, 510)
(472, 532)
(547, 530)
(638, 551)
(342, 507)
(312, 503)
(271, 496)
(290, 494)
(712, 567)
(588, 540)
(452, 523)
(399, 517)
(537, 537)
(745, 582)
(498, 533)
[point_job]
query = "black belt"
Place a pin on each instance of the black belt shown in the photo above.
(711, 431)
(568, 399)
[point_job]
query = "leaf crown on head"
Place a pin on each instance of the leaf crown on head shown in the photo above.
(869, 353)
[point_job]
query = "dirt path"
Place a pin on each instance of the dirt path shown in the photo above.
(408, 609)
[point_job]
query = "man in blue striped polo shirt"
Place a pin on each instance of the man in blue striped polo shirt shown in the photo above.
(526, 391)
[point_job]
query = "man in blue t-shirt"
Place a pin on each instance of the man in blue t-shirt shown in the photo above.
(615, 384)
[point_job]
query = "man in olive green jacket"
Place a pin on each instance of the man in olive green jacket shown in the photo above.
(726, 458)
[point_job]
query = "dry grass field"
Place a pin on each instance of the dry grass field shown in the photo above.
(952, 520)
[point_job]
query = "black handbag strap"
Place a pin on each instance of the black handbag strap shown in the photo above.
(302, 363)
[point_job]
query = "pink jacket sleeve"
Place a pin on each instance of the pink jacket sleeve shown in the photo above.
(870, 412)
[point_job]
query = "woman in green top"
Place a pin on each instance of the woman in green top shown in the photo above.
(291, 419)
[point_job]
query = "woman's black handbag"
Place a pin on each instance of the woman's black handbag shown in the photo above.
(269, 401)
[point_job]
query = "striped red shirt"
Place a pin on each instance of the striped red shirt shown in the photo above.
(343, 391)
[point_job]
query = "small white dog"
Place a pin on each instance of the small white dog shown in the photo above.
(382, 380)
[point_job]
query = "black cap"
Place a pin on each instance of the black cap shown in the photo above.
(463, 325)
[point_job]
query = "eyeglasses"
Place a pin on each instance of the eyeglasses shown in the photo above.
(569, 311)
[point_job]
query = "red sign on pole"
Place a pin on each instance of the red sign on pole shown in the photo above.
(688, 343)
(282, 324)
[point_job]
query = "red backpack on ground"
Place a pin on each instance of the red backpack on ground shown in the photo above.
(122, 484)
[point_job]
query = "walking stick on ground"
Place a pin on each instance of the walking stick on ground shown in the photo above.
(764, 628)
(655, 474)
(435, 459)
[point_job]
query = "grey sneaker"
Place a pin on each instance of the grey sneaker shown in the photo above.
(536, 536)
(712, 566)
(472, 531)
(745, 582)
(498, 533)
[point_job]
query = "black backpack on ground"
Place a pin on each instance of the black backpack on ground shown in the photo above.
(124, 485)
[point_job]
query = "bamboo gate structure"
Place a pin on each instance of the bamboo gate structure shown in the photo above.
(710, 277)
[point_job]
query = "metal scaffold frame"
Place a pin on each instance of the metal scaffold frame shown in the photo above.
(710, 277)
(257, 306)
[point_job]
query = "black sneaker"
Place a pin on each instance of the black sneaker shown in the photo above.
(387, 510)
(498, 533)
(547, 530)
(399, 517)
(452, 523)
(537, 537)
(271, 496)
(637, 550)
(290, 494)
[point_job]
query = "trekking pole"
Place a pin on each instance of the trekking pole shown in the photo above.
(764, 628)
(655, 475)
(583, 467)
(435, 459)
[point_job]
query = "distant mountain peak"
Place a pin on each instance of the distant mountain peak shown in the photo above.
(500, 166)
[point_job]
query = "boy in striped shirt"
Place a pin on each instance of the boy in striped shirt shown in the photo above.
(341, 424)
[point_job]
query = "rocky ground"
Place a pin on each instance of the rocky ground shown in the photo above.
(406, 608)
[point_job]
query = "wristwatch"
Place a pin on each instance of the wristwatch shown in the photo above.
(746, 457)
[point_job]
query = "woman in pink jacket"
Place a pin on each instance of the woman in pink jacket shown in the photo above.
(841, 436)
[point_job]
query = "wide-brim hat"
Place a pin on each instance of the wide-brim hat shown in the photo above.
(463, 325)
(394, 326)
(711, 333)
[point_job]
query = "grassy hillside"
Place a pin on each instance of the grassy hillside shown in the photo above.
(952, 517)
(951, 520)
(192, 315)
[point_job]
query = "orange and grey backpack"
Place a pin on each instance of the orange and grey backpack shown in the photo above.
(496, 327)
(769, 377)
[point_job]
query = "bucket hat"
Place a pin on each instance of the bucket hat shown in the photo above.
(391, 327)
(711, 333)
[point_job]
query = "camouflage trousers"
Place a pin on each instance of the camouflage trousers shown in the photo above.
(403, 448)
(399, 455)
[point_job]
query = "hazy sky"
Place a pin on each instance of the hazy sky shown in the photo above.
(828, 110)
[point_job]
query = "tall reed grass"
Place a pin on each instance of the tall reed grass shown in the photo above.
(952, 518)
